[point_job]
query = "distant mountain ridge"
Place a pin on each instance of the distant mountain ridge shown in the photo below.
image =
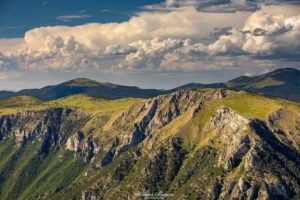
(85, 86)
(283, 83)
(6, 94)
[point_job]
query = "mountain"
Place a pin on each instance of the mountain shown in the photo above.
(189, 144)
(90, 87)
(283, 83)
(200, 86)
(6, 94)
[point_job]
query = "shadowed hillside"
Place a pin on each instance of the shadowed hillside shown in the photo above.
(89, 87)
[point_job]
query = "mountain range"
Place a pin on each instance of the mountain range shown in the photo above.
(83, 140)
(189, 144)
(283, 83)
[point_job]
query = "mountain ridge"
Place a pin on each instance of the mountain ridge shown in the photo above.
(204, 144)
(283, 83)
(89, 87)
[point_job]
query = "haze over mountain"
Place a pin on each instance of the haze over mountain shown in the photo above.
(283, 83)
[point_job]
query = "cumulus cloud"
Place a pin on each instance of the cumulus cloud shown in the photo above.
(117, 49)
(166, 54)
(178, 24)
(12, 44)
(279, 41)
(141, 44)
(57, 53)
(150, 52)
(213, 6)
(277, 35)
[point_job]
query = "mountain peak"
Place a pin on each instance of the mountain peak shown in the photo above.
(85, 82)
(82, 80)
(283, 72)
(286, 70)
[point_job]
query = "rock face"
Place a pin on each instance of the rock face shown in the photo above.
(48, 127)
(219, 94)
(233, 127)
(152, 116)
(250, 145)
(183, 145)
(74, 141)
(246, 161)
(84, 148)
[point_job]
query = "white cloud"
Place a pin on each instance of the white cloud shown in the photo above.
(177, 24)
(44, 3)
(144, 43)
(12, 44)
(53, 43)
(67, 18)
(57, 53)
(279, 41)
(150, 52)
(117, 49)
(278, 35)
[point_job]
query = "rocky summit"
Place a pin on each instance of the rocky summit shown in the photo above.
(189, 144)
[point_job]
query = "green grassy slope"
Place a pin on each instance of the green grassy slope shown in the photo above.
(196, 155)
(83, 102)
(24, 174)
(180, 158)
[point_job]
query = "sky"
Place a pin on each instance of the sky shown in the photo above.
(148, 43)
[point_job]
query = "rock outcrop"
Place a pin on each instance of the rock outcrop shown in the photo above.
(246, 145)
(183, 145)
(49, 127)
(152, 116)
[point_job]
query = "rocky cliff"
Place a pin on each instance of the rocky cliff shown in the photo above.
(184, 145)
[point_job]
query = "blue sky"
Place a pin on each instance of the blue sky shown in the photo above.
(18, 16)
(151, 43)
